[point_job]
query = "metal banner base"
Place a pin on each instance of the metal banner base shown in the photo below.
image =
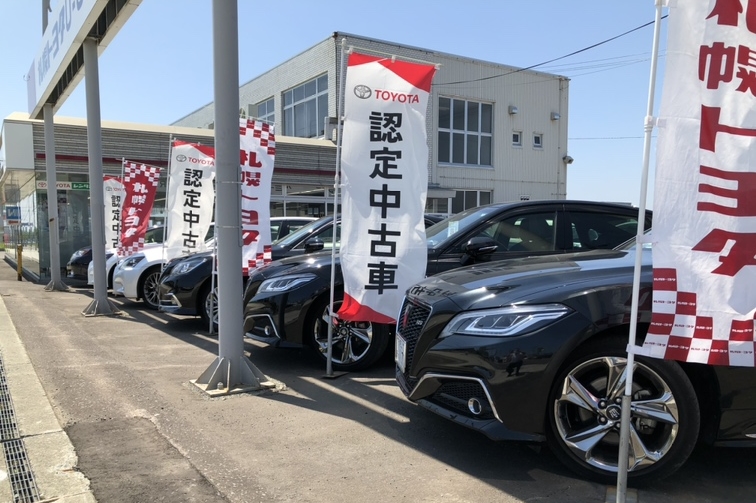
(334, 375)
(215, 379)
(57, 286)
(611, 495)
(97, 308)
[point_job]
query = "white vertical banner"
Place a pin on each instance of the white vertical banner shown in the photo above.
(384, 167)
(115, 193)
(704, 233)
(257, 143)
(190, 198)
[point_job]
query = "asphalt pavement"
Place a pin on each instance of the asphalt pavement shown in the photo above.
(106, 411)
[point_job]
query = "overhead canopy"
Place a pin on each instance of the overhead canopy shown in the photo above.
(58, 66)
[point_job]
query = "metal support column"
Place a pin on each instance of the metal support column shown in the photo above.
(56, 283)
(231, 372)
(101, 305)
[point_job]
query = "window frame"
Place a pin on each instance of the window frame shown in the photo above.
(270, 107)
(468, 135)
(517, 142)
(538, 140)
(296, 100)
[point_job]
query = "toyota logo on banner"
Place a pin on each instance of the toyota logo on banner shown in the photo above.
(362, 91)
(181, 158)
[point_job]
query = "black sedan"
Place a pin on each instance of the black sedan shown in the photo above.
(534, 349)
(286, 302)
(185, 281)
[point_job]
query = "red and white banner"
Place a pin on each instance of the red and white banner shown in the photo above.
(257, 143)
(705, 206)
(141, 182)
(384, 173)
(115, 193)
(190, 198)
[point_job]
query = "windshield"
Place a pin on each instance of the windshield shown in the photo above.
(154, 235)
(445, 229)
(302, 232)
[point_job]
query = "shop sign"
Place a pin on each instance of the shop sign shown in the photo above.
(13, 215)
(42, 185)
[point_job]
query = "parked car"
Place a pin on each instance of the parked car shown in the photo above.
(534, 349)
(283, 226)
(286, 302)
(185, 284)
(78, 265)
(136, 276)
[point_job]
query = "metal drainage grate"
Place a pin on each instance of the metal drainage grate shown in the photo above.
(23, 486)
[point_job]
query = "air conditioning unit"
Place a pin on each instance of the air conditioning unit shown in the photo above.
(330, 128)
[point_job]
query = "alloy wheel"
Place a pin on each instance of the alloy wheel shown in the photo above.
(150, 290)
(211, 307)
(587, 414)
(351, 341)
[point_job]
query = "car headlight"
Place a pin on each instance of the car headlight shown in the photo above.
(285, 283)
(189, 264)
(505, 321)
(132, 261)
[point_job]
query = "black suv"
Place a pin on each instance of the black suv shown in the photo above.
(286, 302)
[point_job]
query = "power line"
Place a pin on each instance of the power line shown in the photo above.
(551, 60)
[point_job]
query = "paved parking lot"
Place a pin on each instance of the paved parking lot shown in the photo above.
(120, 390)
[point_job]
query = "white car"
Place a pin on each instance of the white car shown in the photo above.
(111, 260)
(136, 276)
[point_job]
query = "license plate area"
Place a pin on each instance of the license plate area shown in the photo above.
(400, 352)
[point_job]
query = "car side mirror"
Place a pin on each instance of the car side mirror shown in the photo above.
(477, 247)
(313, 245)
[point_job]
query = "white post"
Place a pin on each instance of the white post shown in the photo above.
(55, 284)
(231, 372)
(622, 462)
(101, 304)
(336, 188)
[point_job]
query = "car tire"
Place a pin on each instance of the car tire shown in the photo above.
(148, 287)
(355, 345)
(585, 399)
(203, 306)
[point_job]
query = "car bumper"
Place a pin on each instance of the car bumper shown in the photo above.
(76, 272)
(125, 282)
(174, 301)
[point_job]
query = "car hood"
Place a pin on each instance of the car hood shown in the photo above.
(318, 263)
(528, 280)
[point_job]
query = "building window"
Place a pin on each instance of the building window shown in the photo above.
(470, 199)
(517, 138)
(537, 140)
(464, 132)
(305, 108)
(265, 111)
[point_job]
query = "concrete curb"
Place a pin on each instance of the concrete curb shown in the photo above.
(50, 452)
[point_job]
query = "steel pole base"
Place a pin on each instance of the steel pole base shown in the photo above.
(215, 379)
(98, 308)
(57, 286)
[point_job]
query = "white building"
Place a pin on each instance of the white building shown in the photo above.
(495, 132)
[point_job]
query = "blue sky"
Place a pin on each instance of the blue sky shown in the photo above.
(159, 67)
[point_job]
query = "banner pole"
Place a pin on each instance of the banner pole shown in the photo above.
(622, 461)
(120, 214)
(336, 186)
(167, 195)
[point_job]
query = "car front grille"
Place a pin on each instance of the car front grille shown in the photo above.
(412, 318)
